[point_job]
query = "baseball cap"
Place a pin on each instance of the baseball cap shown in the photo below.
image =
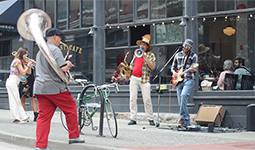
(189, 42)
(53, 31)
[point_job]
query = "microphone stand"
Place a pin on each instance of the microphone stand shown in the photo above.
(176, 51)
(158, 75)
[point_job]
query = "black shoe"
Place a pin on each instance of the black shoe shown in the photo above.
(132, 122)
(35, 116)
(151, 122)
(76, 140)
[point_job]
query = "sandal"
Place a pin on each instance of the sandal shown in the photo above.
(25, 120)
(15, 121)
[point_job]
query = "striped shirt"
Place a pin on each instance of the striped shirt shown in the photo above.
(146, 71)
(179, 61)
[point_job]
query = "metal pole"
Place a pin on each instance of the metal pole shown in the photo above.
(99, 42)
(101, 123)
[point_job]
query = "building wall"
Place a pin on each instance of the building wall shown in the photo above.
(235, 102)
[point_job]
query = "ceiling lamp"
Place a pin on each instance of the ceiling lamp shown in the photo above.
(229, 31)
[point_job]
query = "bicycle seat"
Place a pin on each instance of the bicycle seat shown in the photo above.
(81, 80)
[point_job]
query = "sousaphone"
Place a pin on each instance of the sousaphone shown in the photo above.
(32, 25)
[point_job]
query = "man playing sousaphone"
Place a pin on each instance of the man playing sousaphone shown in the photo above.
(184, 60)
(52, 92)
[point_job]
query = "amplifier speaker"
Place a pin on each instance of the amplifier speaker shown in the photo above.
(210, 114)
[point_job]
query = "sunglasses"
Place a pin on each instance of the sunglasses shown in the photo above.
(187, 46)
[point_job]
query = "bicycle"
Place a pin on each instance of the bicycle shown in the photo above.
(84, 116)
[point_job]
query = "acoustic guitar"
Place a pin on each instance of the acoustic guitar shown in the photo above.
(180, 75)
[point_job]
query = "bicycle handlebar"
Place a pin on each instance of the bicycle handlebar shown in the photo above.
(83, 82)
(105, 86)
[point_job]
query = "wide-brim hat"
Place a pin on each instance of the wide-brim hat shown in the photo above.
(146, 38)
(203, 49)
(53, 31)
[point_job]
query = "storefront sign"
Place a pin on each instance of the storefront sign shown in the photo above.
(7, 27)
(72, 48)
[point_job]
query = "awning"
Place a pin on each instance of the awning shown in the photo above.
(4, 5)
(10, 10)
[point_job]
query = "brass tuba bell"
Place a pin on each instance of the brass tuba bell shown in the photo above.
(32, 25)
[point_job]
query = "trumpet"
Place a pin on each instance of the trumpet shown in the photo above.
(27, 59)
(127, 71)
(67, 57)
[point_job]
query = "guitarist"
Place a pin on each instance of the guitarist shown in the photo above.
(182, 61)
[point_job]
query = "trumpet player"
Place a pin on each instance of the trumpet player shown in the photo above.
(140, 77)
(52, 92)
(17, 70)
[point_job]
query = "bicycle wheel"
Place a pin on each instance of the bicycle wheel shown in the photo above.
(63, 119)
(84, 117)
(81, 117)
(111, 118)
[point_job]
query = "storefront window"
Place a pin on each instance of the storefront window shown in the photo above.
(5, 47)
(142, 9)
(126, 11)
(245, 4)
(169, 33)
(174, 8)
(223, 5)
(206, 6)
(111, 14)
(6, 57)
(61, 15)
(87, 13)
(74, 18)
(81, 48)
(158, 8)
(113, 60)
(50, 10)
(117, 37)
(162, 54)
(39, 4)
(216, 44)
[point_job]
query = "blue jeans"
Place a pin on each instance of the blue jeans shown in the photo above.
(183, 92)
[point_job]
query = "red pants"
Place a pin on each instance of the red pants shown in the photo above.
(47, 105)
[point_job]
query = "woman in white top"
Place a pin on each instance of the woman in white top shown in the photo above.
(17, 70)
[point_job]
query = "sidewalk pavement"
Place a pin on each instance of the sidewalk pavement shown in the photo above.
(139, 137)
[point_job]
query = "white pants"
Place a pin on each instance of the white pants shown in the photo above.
(17, 111)
(134, 85)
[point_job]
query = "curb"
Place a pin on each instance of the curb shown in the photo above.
(53, 144)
